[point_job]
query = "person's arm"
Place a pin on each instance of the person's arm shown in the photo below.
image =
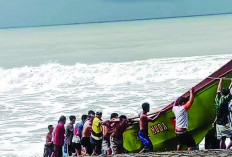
(175, 103)
(130, 121)
(48, 139)
(229, 96)
(63, 131)
(190, 102)
(219, 89)
(71, 128)
(155, 118)
(66, 130)
(230, 84)
(106, 122)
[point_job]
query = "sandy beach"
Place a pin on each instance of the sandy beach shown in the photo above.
(205, 153)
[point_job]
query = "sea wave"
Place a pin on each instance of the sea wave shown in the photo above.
(33, 97)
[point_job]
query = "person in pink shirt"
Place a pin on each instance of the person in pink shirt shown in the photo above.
(58, 139)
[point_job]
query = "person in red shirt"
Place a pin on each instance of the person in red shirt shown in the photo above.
(116, 138)
(59, 137)
(107, 131)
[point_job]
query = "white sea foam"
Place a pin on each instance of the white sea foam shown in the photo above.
(42, 76)
(33, 97)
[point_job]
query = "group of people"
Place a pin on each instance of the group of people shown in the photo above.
(88, 134)
(94, 138)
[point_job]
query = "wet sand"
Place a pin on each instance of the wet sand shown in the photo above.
(205, 153)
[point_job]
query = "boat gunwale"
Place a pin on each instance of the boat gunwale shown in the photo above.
(225, 69)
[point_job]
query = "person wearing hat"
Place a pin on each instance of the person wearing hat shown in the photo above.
(96, 134)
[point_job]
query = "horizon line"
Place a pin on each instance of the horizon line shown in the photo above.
(143, 19)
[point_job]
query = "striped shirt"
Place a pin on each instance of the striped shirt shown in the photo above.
(181, 116)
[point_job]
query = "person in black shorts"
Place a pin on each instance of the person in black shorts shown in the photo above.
(185, 139)
(76, 141)
(49, 146)
(180, 109)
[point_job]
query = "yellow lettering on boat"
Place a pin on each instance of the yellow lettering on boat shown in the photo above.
(158, 128)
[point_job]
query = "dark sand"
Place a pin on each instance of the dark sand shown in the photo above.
(205, 153)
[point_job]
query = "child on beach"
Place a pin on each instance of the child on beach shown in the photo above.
(180, 108)
(143, 124)
(49, 146)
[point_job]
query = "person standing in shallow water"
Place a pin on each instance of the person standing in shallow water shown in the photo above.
(59, 137)
(180, 108)
(143, 124)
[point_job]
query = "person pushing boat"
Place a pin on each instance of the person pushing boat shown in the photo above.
(143, 124)
(86, 133)
(180, 109)
(222, 99)
(96, 134)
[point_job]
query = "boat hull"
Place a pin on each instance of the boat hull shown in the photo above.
(202, 115)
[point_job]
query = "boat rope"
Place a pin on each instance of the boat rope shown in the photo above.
(218, 78)
(150, 114)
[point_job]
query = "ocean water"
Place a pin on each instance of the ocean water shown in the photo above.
(67, 70)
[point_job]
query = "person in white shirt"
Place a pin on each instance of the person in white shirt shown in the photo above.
(180, 108)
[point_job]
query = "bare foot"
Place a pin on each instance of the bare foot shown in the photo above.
(142, 151)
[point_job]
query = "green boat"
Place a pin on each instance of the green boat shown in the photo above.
(202, 115)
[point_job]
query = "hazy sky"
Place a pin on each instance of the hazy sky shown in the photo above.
(20, 13)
